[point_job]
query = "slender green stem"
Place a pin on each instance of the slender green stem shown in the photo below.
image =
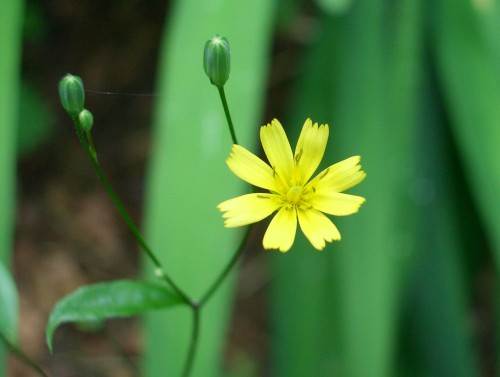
(19, 353)
(197, 308)
(194, 341)
(220, 279)
(124, 214)
(222, 95)
(90, 144)
(121, 351)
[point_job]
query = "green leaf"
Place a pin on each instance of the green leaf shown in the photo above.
(11, 21)
(343, 317)
(188, 176)
(470, 79)
(123, 298)
(439, 341)
(9, 305)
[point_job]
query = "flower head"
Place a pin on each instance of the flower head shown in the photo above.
(292, 192)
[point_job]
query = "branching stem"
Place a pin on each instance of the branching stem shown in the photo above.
(90, 152)
(196, 307)
(19, 353)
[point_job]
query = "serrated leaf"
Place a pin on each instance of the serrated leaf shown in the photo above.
(8, 305)
(122, 298)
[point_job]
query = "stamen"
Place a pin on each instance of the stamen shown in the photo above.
(324, 174)
(299, 155)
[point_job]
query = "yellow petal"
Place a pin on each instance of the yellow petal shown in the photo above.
(250, 168)
(248, 209)
(277, 149)
(340, 176)
(310, 149)
(317, 227)
(335, 203)
(281, 231)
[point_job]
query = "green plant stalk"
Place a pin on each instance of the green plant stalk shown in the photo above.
(236, 256)
(121, 351)
(205, 298)
(19, 353)
(195, 334)
(88, 147)
(225, 272)
(91, 154)
(222, 95)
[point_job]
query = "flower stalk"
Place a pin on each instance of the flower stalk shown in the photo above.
(91, 154)
(21, 355)
(72, 98)
(222, 95)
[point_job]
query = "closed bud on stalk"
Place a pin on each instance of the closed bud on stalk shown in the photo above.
(217, 60)
(72, 94)
(86, 120)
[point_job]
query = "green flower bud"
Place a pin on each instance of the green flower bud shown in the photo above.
(217, 60)
(86, 120)
(72, 94)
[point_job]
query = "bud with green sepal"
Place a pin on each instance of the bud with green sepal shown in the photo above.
(86, 120)
(72, 94)
(217, 60)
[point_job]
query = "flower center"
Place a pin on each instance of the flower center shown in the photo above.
(294, 194)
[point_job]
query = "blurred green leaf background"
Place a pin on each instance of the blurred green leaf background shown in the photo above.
(411, 86)
(10, 52)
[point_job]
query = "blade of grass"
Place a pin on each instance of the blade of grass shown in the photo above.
(300, 299)
(437, 331)
(188, 176)
(10, 52)
(362, 81)
(439, 335)
(377, 82)
(466, 47)
(9, 302)
(471, 82)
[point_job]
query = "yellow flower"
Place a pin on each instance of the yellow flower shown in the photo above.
(292, 193)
